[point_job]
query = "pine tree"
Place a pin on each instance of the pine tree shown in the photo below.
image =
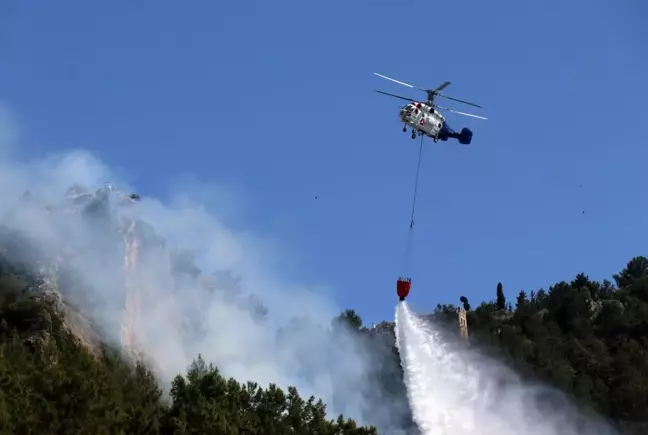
(501, 299)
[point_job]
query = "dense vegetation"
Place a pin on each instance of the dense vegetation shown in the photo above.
(51, 384)
(586, 338)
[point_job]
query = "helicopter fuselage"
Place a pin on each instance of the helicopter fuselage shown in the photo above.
(424, 119)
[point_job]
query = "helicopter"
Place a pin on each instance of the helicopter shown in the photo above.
(425, 119)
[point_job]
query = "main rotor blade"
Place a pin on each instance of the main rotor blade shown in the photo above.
(461, 113)
(460, 101)
(430, 91)
(441, 87)
(398, 81)
(395, 96)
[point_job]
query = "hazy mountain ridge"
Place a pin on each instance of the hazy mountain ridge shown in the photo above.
(126, 244)
(52, 383)
(583, 337)
(123, 242)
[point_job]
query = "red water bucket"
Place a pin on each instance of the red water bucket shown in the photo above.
(403, 286)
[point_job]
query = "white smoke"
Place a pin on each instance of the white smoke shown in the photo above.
(232, 338)
(459, 392)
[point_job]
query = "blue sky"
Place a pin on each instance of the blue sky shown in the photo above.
(276, 101)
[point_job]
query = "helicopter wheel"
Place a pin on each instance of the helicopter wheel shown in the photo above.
(413, 134)
(404, 129)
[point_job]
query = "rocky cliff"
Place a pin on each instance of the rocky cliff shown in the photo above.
(87, 230)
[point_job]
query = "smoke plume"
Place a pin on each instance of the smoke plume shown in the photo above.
(169, 278)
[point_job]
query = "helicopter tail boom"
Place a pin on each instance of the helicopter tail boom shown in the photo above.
(464, 136)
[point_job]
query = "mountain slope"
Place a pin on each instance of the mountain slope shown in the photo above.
(52, 381)
(586, 338)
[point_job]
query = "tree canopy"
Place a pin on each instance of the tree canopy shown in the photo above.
(52, 383)
(587, 338)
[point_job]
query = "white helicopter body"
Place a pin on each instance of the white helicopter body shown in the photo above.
(421, 117)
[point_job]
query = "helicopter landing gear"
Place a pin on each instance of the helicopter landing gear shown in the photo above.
(404, 129)
(413, 134)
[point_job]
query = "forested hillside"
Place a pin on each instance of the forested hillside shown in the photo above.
(50, 383)
(584, 337)
(587, 338)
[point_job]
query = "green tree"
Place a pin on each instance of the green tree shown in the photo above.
(636, 268)
(349, 319)
(501, 299)
(521, 300)
(465, 303)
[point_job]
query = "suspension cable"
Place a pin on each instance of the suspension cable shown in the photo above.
(418, 169)
(408, 249)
